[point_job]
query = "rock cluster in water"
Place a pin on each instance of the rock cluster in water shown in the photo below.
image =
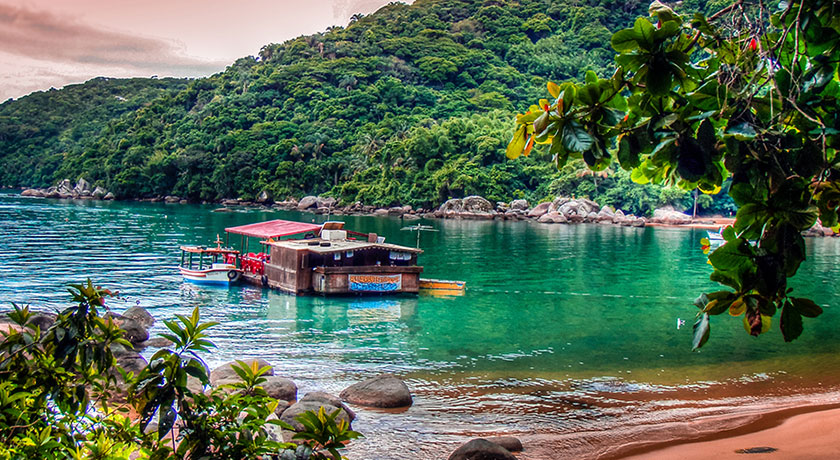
(65, 189)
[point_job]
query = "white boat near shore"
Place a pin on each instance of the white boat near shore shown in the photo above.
(214, 265)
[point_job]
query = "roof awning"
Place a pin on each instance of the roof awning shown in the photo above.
(274, 229)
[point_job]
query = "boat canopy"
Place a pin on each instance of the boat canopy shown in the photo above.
(274, 229)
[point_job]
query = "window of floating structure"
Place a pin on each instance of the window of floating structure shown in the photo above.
(395, 255)
(337, 256)
(348, 254)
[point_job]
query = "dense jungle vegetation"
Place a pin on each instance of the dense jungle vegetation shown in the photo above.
(410, 105)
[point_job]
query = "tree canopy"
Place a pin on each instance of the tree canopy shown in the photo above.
(748, 95)
(408, 105)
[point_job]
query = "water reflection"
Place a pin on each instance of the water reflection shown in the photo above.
(559, 324)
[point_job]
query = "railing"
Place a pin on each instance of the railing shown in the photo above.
(254, 263)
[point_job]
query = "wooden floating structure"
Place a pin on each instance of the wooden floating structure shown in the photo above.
(324, 259)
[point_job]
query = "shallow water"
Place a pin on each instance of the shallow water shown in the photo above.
(567, 335)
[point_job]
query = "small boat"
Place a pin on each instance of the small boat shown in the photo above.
(715, 237)
(213, 265)
(443, 285)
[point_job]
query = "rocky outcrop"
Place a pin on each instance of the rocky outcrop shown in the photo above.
(65, 189)
(481, 449)
(385, 391)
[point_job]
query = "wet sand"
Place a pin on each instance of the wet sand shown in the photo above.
(788, 435)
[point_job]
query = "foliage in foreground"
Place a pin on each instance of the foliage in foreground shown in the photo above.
(63, 396)
(747, 95)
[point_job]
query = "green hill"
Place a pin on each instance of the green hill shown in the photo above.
(411, 105)
(39, 131)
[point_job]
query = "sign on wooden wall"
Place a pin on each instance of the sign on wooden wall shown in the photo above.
(375, 283)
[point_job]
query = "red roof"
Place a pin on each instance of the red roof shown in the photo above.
(273, 229)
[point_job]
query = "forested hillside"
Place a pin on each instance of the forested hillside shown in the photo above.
(411, 105)
(39, 131)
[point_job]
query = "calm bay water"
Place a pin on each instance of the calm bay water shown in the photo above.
(567, 335)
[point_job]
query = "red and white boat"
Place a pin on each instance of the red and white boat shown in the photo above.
(203, 265)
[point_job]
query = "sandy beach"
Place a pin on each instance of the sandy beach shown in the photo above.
(787, 434)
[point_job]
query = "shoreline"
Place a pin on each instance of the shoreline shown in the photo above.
(807, 432)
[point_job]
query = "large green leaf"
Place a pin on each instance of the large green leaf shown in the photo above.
(625, 40)
(659, 78)
(791, 323)
(645, 33)
(517, 143)
(702, 329)
(575, 138)
(806, 307)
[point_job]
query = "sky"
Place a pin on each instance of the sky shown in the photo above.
(52, 43)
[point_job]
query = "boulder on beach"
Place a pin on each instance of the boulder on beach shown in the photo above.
(133, 331)
(328, 202)
(520, 205)
(280, 388)
(99, 193)
(264, 197)
(108, 196)
(511, 443)
(476, 204)
(307, 202)
(481, 449)
(818, 230)
(539, 209)
(226, 372)
(451, 206)
(384, 391)
(552, 218)
(140, 315)
(302, 406)
(670, 216)
(326, 398)
(82, 186)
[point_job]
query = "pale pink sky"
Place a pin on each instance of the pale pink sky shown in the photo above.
(52, 43)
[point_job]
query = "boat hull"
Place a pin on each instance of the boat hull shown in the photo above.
(447, 285)
(212, 276)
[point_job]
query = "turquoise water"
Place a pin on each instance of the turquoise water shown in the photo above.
(562, 329)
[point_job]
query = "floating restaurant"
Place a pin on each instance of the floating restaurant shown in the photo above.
(303, 258)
